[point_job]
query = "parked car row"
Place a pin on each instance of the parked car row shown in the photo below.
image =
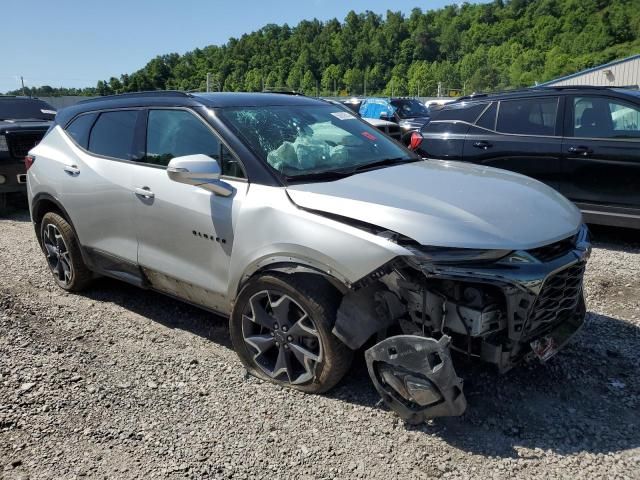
(316, 234)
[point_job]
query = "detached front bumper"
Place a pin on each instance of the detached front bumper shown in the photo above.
(543, 308)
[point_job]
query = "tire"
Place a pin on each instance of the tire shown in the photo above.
(62, 251)
(310, 334)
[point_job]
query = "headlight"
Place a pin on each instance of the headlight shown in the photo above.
(3, 144)
(445, 255)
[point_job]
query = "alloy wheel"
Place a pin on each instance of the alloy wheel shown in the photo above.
(57, 254)
(284, 341)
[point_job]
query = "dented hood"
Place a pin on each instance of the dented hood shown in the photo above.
(449, 204)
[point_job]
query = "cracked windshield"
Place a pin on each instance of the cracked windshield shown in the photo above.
(308, 140)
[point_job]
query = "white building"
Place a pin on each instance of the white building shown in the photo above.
(619, 73)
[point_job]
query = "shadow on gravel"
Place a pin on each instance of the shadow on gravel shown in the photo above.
(160, 308)
(584, 400)
(614, 238)
(16, 208)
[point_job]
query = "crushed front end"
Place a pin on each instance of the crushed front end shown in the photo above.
(500, 307)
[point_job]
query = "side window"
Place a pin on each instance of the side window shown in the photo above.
(533, 116)
(600, 117)
(175, 133)
(466, 113)
(80, 127)
(113, 133)
(488, 118)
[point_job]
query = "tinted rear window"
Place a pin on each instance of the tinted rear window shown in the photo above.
(113, 134)
(532, 116)
(464, 113)
(79, 128)
(25, 108)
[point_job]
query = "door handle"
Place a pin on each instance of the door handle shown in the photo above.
(144, 192)
(580, 150)
(72, 170)
(483, 144)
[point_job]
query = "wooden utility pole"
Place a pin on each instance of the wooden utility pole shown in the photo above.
(22, 81)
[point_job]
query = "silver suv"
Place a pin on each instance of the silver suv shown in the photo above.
(315, 234)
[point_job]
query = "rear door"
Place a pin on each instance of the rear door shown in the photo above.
(521, 135)
(95, 177)
(444, 135)
(602, 150)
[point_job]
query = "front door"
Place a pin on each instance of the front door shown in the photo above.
(186, 233)
(602, 151)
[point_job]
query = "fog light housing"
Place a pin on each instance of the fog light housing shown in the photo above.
(3, 179)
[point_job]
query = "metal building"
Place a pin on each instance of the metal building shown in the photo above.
(619, 73)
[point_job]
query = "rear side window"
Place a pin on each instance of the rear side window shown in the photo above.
(80, 127)
(488, 118)
(464, 113)
(113, 134)
(532, 116)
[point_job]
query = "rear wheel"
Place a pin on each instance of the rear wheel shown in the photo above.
(281, 330)
(62, 250)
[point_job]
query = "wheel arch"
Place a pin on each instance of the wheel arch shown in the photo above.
(42, 204)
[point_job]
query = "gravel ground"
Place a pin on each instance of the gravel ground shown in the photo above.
(124, 383)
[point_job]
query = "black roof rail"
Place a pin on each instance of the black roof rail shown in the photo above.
(282, 91)
(570, 87)
(149, 93)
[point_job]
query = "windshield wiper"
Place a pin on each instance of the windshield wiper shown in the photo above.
(384, 163)
(324, 175)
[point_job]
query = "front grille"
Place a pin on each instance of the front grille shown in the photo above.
(554, 250)
(21, 143)
(557, 299)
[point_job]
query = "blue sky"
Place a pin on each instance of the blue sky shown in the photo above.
(75, 43)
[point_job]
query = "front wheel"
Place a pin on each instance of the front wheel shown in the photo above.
(281, 329)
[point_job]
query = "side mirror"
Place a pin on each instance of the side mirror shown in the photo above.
(198, 170)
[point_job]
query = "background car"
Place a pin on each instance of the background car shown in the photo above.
(23, 123)
(409, 113)
(582, 141)
(390, 128)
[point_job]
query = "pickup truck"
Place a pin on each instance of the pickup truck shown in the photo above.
(23, 123)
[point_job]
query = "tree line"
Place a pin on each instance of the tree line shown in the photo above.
(475, 47)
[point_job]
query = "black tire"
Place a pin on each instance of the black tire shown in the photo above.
(319, 301)
(79, 276)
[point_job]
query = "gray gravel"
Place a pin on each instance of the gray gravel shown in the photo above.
(124, 383)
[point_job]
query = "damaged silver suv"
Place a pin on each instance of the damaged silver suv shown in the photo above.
(315, 234)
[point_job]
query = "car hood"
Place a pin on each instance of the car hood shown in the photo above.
(450, 204)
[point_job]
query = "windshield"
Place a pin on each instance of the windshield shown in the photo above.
(303, 140)
(410, 108)
(25, 109)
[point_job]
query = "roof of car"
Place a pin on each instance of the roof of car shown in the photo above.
(168, 98)
(537, 91)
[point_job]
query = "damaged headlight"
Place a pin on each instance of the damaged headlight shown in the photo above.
(444, 255)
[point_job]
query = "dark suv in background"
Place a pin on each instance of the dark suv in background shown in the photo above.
(23, 123)
(582, 141)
